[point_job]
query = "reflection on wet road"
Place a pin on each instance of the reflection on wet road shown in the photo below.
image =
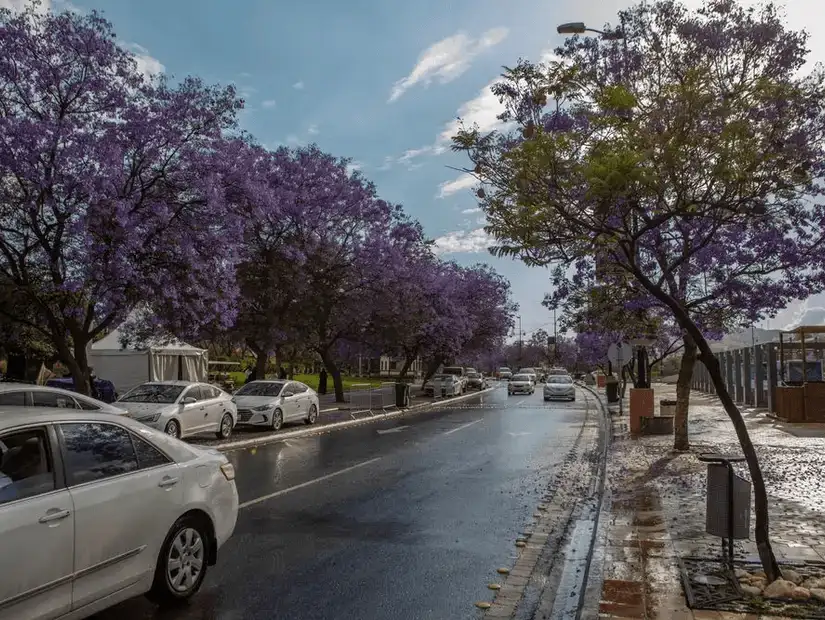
(406, 518)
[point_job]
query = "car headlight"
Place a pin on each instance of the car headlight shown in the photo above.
(150, 419)
(262, 408)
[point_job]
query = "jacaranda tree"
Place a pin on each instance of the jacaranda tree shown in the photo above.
(690, 153)
(105, 201)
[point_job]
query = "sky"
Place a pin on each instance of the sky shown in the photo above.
(383, 83)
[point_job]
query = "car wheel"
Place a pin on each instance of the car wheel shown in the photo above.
(172, 429)
(182, 563)
(225, 429)
(312, 418)
(277, 420)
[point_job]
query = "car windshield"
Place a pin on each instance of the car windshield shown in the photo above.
(521, 378)
(559, 379)
(452, 371)
(261, 388)
(153, 393)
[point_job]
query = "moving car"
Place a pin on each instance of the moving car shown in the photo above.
(505, 373)
(476, 381)
(521, 384)
(26, 395)
(449, 385)
(181, 408)
(96, 509)
(559, 387)
(530, 371)
(271, 403)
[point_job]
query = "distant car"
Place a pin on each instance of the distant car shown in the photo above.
(449, 385)
(458, 372)
(534, 375)
(97, 509)
(103, 389)
(505, 373)
(521, 384)
(26, 395)
(181, 408)
(272, 403)
(476, 381)
(559, 387)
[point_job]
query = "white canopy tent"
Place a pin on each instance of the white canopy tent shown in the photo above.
(127, 366)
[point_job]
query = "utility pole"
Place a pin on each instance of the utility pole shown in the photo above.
(520, 335)
(555, 339)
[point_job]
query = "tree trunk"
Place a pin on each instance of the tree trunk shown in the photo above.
(261, 361)
(79, 367)
(432, 367)
(681, 440)
(333, 371)
(408, 360)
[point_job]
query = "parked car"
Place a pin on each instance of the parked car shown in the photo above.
(477, 381)
(521, 384)
(103, 389)
(96, 509)
(459, 372)
(181, 408)
(559, 387)
(505, 373)
(450, 385)
(27, 395)
(272, 403)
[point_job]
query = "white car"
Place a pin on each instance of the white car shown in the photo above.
(181, 408)
(531, 372)
(521, 384)
(559, 387)
(271, 403)
(26, 395)
(448, 385)
(96, 509)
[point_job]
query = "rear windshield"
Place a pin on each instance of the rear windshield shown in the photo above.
(453, 371)
(558, 379)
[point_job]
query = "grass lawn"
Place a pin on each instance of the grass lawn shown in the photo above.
(312, 381)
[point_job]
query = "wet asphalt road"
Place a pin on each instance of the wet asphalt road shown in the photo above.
(403, 519)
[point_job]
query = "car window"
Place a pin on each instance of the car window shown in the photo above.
(86, 405)
(95, 451)
(42, 398)
(208, 392)
(299, 388)
(147, 454)
(13, 399)
(194, 392)
(26, 468)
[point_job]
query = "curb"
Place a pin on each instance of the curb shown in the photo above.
(318, 430)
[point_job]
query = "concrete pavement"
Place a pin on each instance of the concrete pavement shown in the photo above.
(406, 518)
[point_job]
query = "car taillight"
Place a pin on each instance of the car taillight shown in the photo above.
(228, 471)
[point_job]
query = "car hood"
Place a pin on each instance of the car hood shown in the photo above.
(248, 402)
(558, 386)
(137, 410)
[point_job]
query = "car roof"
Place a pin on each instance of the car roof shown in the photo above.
(12, 416)
(176, 382)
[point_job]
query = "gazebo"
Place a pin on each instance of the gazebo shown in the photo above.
(800, 397)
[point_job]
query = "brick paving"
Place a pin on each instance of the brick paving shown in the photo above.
(655, 507)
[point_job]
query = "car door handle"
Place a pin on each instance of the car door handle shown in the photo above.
(54, 515)
(168, 481)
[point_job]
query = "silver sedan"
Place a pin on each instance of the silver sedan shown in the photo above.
(559, 387)
(272, 403)
(27, 395)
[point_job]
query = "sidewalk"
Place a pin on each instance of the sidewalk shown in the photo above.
(654, 512)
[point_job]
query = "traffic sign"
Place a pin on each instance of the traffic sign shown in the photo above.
(619, 354)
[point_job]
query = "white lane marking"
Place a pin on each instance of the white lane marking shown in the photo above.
(384, 431)
(263, 498)
(462, 427)
(518, 434)
(519, 402)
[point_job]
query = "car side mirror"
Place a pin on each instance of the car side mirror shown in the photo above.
(188, 400)
(287, 394)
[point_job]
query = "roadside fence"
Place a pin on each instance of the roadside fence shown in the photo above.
(365, 398)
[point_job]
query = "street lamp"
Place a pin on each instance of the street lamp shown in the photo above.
(580, 28)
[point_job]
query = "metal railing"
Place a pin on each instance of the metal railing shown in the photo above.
(360, 399)
(387, 395)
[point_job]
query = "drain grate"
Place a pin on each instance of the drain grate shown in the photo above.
(708, 585)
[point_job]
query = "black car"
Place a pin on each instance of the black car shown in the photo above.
(476, 381)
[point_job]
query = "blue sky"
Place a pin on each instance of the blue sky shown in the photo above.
(378, 81)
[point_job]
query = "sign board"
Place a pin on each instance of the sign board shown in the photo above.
(620, 354)
(716, 515)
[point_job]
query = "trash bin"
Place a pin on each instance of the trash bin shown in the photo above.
(402, 394)
(612, 390)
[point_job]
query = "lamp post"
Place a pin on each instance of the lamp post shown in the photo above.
(580, 28)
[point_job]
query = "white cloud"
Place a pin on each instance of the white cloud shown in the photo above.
(312, 130)
(473, 210)
(298, 86)
(446, 60)
(245, 74)
(19, 5)
(354, 166)
(465, 181)
(472, 241)
(481, 111)
(147, 64)
(294, 140)
(268, 103)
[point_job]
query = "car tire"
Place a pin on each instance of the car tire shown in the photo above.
(312, 416)
(187, 544)
(225, 429)
(277, 420)
(172, 429)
